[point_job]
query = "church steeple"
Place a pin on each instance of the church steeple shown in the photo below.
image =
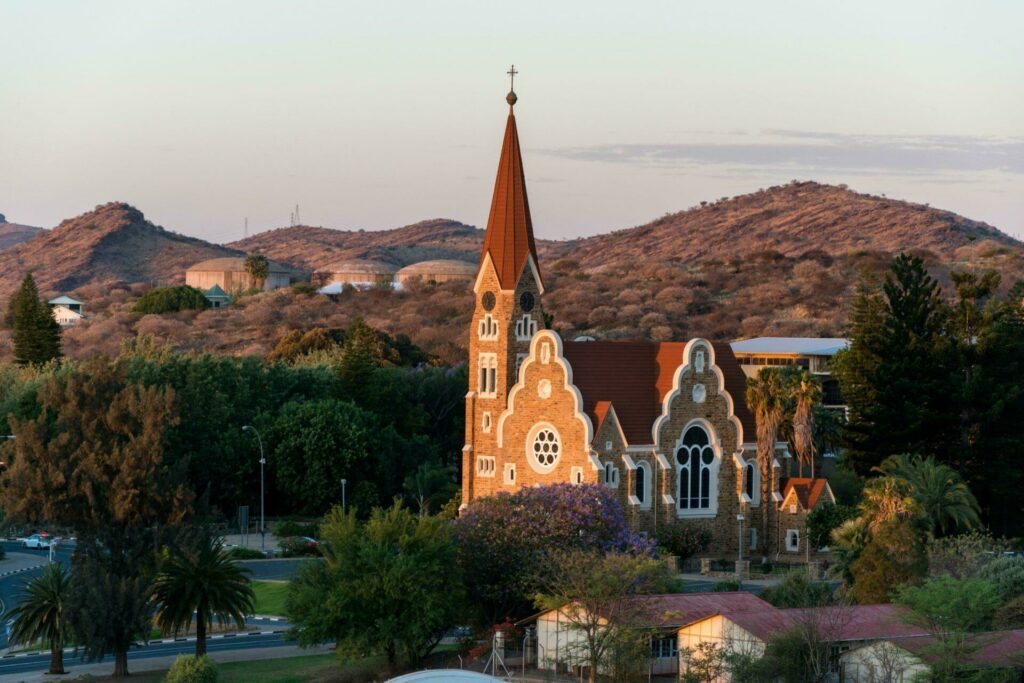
(509, 237)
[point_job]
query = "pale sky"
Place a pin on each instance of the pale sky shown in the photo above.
(379, 114)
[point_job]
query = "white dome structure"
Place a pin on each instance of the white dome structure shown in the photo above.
(442, 270)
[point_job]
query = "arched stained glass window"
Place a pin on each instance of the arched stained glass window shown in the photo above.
(694, 461)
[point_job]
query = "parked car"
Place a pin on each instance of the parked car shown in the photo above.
(299, 545)
(38, 541)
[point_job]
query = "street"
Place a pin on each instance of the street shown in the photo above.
(22, 565)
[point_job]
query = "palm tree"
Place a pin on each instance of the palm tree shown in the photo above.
(201, 579)
(766, 396)
(945, 500)
(805, 394)
(41, 614)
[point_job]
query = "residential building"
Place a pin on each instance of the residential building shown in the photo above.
(810, 353)
(67, 312)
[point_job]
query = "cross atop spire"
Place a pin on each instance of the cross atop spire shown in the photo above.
(511, 97)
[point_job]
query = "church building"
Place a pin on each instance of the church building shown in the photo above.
(663, 424)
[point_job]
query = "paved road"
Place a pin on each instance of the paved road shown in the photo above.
(275, 570)
(254, 640)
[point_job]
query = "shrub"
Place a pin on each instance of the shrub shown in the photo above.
(247, 554)
(1010, 615)
(192, 669)
(1006, 574)
(171, 299)
(684, 540)
(796, 590)
(726, 586)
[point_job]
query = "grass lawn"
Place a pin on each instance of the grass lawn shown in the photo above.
(270, 597)
(287, 670)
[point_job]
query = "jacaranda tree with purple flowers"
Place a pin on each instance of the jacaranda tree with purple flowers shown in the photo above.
(505, 541)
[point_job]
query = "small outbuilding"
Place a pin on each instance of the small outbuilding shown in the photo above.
(229, 273)
(443, 270)
(217, 297)
(360, 273)
(67, 312)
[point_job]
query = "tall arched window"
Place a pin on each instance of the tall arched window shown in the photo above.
(748, 480)
(694, 459)
(640, 484)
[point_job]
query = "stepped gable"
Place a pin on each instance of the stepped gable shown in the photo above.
(635, 377)
(509, 236)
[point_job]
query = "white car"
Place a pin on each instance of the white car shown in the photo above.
(38, 541)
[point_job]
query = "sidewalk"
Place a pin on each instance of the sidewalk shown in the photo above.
(21, 561)
(251, 541)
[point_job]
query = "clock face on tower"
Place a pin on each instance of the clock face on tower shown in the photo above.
(488, 301)
(526, 302)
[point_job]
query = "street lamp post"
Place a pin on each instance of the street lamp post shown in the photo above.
(343, 482)
(739, 562)
(263, 461)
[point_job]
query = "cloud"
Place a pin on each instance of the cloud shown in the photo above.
(822, 151)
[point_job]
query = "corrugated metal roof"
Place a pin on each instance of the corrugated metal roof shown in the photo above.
(64, 300)
(804, 346)
(635, 377)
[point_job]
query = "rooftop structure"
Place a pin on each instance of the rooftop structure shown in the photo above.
(442, 270)
(231, 275)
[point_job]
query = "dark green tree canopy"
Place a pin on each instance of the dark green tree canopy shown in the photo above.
(170, 300)
(36, 332)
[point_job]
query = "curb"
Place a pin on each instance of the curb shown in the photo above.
(20, 571)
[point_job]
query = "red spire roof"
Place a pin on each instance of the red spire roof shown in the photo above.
(509, 237)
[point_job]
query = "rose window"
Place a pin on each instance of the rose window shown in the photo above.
(545, 449)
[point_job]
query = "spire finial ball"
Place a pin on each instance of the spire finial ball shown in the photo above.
(511, 98)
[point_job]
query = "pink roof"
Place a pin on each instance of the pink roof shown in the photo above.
(680, 609)
(997, 648)
(861, 622)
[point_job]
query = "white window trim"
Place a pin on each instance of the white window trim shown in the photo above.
(526, 327)
(714, 467)
(645, 503)
(487, 383)
(576, 475)
(531, 436)
(487, 329)
(486, 422)
(485, 466)
(790, 534)
(509, 474)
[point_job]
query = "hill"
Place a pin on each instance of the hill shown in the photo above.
(791, 220)
(112, 243)
(314, 247)
(12, 234)
(781, 262)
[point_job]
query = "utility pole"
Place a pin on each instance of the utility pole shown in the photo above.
(263, 461)
(343, 482)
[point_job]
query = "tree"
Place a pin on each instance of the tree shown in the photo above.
(93, 459)
(952, 611)
(944, 499)
(824, 519)
(805, 394)
(199, 579)
(431, 484)
(258, 268)
(36, 332)
(170, 300)
(893, 557)
(597, 596)
(390, 586)
(505, 542)
(766, 396)
(42, 614)
(898, 376)
(313, 445)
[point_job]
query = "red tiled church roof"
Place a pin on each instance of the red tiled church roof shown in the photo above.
(509, 237)
(635, 377)
(808, 491)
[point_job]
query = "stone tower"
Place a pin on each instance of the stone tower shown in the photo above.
(507, 312)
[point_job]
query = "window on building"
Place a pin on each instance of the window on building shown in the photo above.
(485, 422)
(526, 327)
(488, 328)
(748, 480)
(543, 447)
(664, 648)
(694, 459)
(792, 540)
(485, 465)
(487, 383)
(576, 475)
(510, 474)
(753, 538)
(640, 483)
(520, 357)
